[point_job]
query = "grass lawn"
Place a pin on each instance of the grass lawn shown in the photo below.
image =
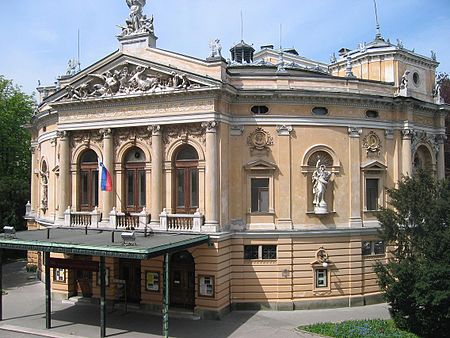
(374, 328)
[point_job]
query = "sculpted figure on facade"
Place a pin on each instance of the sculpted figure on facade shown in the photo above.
(320, 178)
(137, 22)
(216, 48)
(129, 79)
(404, 80)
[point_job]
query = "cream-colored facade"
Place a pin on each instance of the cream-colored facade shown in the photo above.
(230, 149)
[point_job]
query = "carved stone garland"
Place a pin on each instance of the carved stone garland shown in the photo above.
(124, 135)
(184, 132)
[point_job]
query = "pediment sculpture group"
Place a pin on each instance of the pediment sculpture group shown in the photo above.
(126, 81)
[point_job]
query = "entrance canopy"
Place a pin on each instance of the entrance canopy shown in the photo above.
(102, 243)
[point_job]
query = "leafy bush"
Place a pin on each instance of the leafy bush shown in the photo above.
(359, 328)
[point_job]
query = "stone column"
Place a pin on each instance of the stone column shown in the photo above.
(64, 173)
(406, 152)
(156, 181)
(284, 221)
(211, 176)
(355, 176)
(441, 157)
(108, 162)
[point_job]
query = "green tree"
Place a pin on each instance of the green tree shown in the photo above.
(416, 280)
(15, 112)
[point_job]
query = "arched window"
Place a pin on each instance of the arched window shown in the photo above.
(88, 198)
(135, 185)
(186, 180)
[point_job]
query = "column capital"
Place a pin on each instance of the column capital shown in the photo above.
(440, 138)
(106, 132)
(354, 132)
(155, 129)
(284, 130)
(389, 134)
(62, 134)
(407, 133)
(236, 130)
(210, 126)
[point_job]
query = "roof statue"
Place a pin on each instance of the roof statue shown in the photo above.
(137, 22)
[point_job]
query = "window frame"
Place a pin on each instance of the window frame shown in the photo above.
(372, 248)
(260, 252)
(373, 170)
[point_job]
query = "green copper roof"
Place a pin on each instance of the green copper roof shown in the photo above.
(99, 243)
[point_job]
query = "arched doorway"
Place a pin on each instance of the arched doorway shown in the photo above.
(135, 185)
(186, 180)
(88, 197)
(182, 280)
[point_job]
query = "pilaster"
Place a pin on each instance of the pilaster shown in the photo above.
(284, 211)
(354, 135)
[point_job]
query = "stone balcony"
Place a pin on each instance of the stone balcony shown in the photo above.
(135, 221)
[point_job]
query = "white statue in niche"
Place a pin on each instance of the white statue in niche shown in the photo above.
(320, 179)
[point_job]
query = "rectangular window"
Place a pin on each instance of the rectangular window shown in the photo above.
(260, 194)
(373, 248)
(378, 248)
(260, 252)
(206, 286)
(59, 275)
(250, 251)
(95, 187)
(269, 252)
(371, 194)
(321, 278)
(84, 177)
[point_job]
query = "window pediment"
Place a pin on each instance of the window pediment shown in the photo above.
(373, 165)
(260, 165)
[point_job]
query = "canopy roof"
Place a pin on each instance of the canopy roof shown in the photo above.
(100, 242)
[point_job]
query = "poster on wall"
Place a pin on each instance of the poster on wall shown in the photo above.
(152, 281)
(206, 286)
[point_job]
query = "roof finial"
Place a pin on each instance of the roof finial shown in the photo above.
(378, 35)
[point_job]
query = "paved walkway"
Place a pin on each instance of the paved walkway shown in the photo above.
(24, 316)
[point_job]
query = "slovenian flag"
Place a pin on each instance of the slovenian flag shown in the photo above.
(105, 178)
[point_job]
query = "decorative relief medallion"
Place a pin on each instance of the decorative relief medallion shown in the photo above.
(321, 255)
(184, 132)
(260, 140)
(372, 144)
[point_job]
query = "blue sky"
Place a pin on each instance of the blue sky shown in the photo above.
(40, 36)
